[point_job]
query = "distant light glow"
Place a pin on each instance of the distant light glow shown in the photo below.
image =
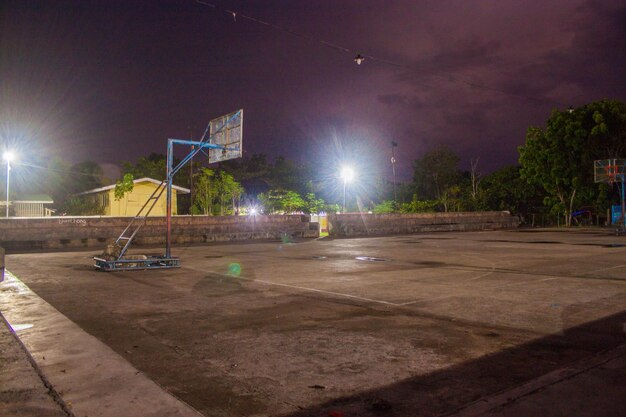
(347, 174)
(8, 156)
(254, 211)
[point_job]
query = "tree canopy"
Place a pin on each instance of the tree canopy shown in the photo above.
(560, 156)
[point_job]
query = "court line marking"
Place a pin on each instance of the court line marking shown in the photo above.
(297, 287)
(356, 297)
(605, 269)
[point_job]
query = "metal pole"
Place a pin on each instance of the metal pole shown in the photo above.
(344, 195)
(623, 203)
(191, 174)
(8, 180)
(168, 215)
(393, 168)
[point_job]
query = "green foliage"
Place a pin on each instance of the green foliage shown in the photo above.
(216, 193)
(435, 172)
(155, 166)
(229, 192)
(204, 191)
(292, 202)
(560, 157)
(506, 190)
(64, 180)
(124, 186)
(419, 206)
(386, 207)
(281, 201)
(332, 208)
(82, 206)
(312, 204)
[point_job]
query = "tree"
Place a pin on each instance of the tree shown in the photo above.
(124, 186)
(227, 189)
(63, 180)
(204, 190)
(292, 202)
(155, 166)
(285, 201)
(560, 157)
(312, 204)
(83, 206)
(435, 173)
(506, 190)
(386, 207)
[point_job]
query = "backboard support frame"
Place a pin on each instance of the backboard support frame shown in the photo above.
(612, 171)
(223, 138)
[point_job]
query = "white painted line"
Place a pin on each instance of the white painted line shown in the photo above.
(338, 294)
(297, 287)
(606, 269)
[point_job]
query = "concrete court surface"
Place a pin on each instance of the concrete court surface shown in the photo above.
(413, 325)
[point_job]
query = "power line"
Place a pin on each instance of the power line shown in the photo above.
(360, 57)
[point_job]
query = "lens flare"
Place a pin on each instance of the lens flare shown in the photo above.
(234, 269)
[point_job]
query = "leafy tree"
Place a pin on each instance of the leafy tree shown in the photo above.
(312, 204)
(124, 186)
(82, 206)
(227, 189)
(205, 190)
(215, 191)
(286, 175)
(451, 198)
(419, 206)
(386, 207)
(281, 201)
(155, 166)
(560, 157)
(85, 176)
(435, 172)
(64, 180)
(505, 189)
(292, 202)
(251, 172)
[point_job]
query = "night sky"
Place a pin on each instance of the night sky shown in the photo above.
(111, 80)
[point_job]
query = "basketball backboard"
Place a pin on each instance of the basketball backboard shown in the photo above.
(226, 131)
(609, 170)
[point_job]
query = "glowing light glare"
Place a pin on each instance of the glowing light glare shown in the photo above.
(254, 211)
(234, 269)
(347, 174)
(8, 156)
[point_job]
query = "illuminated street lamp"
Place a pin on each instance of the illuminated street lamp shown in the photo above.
(347, 175)
(8, 156)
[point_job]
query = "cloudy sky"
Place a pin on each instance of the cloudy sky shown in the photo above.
(112, 80)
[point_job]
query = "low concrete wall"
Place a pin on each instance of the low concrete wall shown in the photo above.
(358, 224)
(50, 233)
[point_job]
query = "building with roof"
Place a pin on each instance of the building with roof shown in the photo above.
(132, 201)
(33, 205)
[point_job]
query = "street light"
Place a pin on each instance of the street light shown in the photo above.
(8, 156)
(347, 174)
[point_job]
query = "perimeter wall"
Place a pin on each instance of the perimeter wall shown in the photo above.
(53, 233)
(56, 233)
(358, 224)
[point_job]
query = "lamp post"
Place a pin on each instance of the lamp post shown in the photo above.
(393, 169)
(8, 156)
(347, 174)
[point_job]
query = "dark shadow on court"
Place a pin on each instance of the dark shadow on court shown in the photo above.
(449, 389)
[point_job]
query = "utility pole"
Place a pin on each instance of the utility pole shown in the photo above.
(191, 173)
(393, 168)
